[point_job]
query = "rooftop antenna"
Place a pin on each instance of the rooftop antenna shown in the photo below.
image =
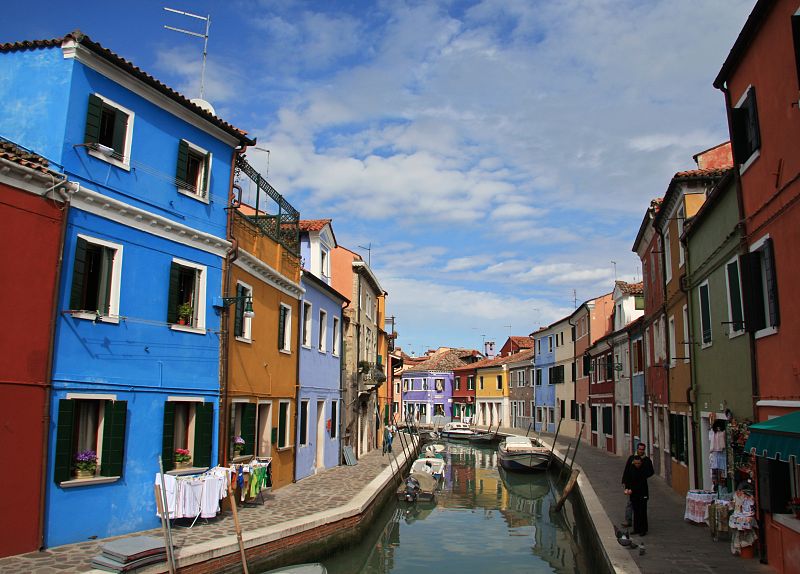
(368, 249)
(266, 175)
(575, 298)
(207, 20)
(614, 263)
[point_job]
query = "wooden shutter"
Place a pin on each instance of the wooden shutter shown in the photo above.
(95, 110)
(115, 417)
(753, 291)
(78, 275)
(772, 284)
(65, 430)
(238, 317)
(753, 129)
(120, 133)
(172, 301)
(249, 428)
(168, 437)
(183, 161)
(203, 434)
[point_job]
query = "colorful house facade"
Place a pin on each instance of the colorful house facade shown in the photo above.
(428, 386)
(544, 389)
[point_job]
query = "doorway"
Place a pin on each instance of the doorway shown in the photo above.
(320, 436)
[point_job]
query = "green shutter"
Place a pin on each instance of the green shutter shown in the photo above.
(168, 437)
(120, 129)
(65, 428)
(238, 318)
(78, 275)
(116, 414)
(752, 292)
(771, 279)
(172, 301)
(281, 327)
(107, 254)
(386, 414)
(92, 134)
(203, 433)
(206, 174)
(249, 428)
(183, 161)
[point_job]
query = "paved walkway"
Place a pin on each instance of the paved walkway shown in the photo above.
(672, 544)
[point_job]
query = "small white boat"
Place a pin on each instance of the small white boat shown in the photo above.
(418, 486)
(457, 431)
(432, 465)
(523, 454)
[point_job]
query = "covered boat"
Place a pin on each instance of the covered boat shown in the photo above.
(418, 486)
(457, 431)
(523, 454)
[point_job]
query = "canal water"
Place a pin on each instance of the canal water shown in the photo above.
(484, 520)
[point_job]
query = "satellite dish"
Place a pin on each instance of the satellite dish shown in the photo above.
(204, 105)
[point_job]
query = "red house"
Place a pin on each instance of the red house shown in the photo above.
(760, 80)
(32, 209)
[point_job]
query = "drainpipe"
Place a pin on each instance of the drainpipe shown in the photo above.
(48, 380)
(230, 256)
(340, 422)
(358, 358)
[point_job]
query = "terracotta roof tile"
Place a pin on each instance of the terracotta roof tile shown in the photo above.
(523, 342)
(702, 173)
(16, 154)
(445, 360)
(129, 67)
(313, 224)
(631, 288)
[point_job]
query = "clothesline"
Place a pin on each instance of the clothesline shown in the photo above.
(196, 495)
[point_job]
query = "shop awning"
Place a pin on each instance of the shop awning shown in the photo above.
(776, 438)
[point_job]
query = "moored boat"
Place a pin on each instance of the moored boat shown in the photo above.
(432, 465)
(488, 437)
(457, 431)
(418, 486)
(523, 454)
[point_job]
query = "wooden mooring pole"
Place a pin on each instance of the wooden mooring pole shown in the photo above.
(573, 479)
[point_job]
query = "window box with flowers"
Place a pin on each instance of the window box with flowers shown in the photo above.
(85, 464)
(183, 458)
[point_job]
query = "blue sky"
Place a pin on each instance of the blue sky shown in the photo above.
(496, 155)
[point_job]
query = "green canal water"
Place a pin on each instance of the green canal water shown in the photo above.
(485, 520)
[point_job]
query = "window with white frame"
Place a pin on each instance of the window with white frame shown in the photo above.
(307, 319)
(284, 328)
(187, 294)
(667, 256)
(745, 131)
(109, 131)
(760, 288)
(284, 420)
(96, 277)
(457, 383)
(336, 336)
(704, 302)
(324, 263)
(242, 325)
(470, 382)
(90, 436)
(550, 343)
(188, 425)
(368, 305)
(671, 341)
(735, 309)
(680, 216)
(193, 171)
(323, 331)
(302, 439)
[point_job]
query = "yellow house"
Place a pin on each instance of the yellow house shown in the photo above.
(491, 392)
(260, 352)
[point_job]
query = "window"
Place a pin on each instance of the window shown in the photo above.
(243, 424)
(563, 409)
(573, 410)
(556, 375)
(335, 418)
(672, 341)
(681, 217)
(705, 315)
(323, 331)
(550, 344)
(745, 130)
(678, 437)
(242, 326)
(283, 424)
(307, 319)
(687, 348)
(109, 127)
(368, 305)
(735, 313)
(551, 415)
(457, 384)
(638, 302)
(285, 328)
(499, 382)
(193, 170)
(303, 430)
(438, 385)
(594, 419)
(609, 358)
(760, 288)
(187, 294)
(336, 336)
(538, 377)
(539, 345)
(471, 382)
(323, 263)
(188, 424)
(96, 277)
(90, 423)
(587, 364)
(608, 420)
(638, 356)
(667, 256)
(481, 382)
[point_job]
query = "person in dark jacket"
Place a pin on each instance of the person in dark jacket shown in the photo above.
(640, 450)
(635, 480)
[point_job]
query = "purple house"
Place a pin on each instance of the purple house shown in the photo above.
(428, 386)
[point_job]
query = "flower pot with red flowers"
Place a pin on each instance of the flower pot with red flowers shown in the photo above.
(183, 458)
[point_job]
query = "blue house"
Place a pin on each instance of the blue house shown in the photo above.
(319, 398)
(428, 386)
(544, 390)
(135, 373)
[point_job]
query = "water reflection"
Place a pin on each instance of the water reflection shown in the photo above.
(484, 520)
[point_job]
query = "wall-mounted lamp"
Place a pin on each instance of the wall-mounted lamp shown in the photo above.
(248, 304)
(98, 147)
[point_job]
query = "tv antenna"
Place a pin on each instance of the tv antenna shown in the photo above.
(207, 20)
(614, 263)
(368, 249)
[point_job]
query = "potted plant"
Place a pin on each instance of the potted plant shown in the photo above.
(85, 464)
(794, 506)
(182, 457)
(184, 313)
(238, 445)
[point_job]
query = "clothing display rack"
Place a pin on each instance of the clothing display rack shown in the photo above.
(251, 479)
